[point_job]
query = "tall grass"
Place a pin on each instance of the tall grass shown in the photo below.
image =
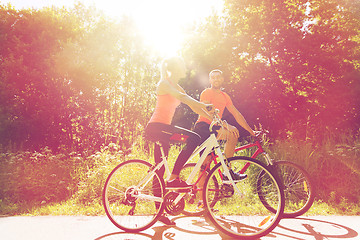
(333, 164)
(44, 179)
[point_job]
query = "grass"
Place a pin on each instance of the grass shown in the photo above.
(327, 163)
(69, 207)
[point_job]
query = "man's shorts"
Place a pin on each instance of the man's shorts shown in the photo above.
(202, 128)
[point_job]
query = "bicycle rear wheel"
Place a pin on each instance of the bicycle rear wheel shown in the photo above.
(298, 189)
(132, 198)
(193, 199)
(243, 215)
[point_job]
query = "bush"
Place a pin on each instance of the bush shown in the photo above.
(45, 177)
(37, 176)
(338, 175)
(100, 165)
(334, 165)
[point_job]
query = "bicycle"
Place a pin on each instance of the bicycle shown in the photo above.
(134, 195)
(298, 187)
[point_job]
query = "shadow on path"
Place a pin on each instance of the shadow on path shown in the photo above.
(190, 228)
(317, 229)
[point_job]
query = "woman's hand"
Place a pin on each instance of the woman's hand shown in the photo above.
(208, 110)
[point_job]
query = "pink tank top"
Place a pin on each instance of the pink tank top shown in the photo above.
(164, 109)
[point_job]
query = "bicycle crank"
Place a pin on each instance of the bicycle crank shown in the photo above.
(227, 190)
(170, 206)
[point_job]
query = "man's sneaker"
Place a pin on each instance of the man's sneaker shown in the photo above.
(200, 206)
(237, 177)
(176, 184)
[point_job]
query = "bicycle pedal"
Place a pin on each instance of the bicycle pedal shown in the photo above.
(179, 190)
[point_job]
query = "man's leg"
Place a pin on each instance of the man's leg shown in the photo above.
(231, 141)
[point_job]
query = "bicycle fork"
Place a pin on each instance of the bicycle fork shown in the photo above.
(226, 164)
(268, 160)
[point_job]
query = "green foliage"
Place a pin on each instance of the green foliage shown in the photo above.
(38, 176)
(42, 177)
(72, 77)
(92, 181)
(289, 64)
(38, 182)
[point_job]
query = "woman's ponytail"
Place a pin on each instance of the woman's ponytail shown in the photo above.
(168, 65)
(164, 69)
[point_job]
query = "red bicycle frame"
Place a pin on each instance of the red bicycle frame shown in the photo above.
(258, 151)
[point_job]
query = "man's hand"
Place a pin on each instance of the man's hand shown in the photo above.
(253, 133)
(233, 130)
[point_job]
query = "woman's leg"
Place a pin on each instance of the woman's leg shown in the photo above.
(155, 132)
(163, 133)
(158, 157)
(192, 142)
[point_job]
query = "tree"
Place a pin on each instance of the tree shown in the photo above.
(72, 77)
(291, 63)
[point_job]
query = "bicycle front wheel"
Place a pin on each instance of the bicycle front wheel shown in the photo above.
(238, 211)
(133, 196)
(298, 189)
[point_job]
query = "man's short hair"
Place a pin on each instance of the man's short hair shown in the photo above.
(216, 70)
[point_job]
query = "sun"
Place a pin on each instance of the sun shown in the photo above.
(162, 21)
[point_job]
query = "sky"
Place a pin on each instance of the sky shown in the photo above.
(161, 21)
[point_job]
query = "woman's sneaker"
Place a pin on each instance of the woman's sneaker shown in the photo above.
(237, 177)
(177, 184)
(165, 220)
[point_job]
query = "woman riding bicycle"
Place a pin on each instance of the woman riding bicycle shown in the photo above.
(169, 95)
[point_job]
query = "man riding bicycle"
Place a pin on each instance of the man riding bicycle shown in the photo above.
(220, 100)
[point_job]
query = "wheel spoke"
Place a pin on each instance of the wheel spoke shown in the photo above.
(127, 206)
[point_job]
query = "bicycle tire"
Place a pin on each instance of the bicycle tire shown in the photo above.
(244, 216)
(193, 199)
(298, 189)
(128, 207)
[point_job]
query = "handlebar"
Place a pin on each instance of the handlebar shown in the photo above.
(216, 119)
(260, 135)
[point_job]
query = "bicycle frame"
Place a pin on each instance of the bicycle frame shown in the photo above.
(258, 151)
(135, 195)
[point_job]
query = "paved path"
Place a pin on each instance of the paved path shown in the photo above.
(188, 228)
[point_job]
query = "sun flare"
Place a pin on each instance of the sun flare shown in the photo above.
(160, 21)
